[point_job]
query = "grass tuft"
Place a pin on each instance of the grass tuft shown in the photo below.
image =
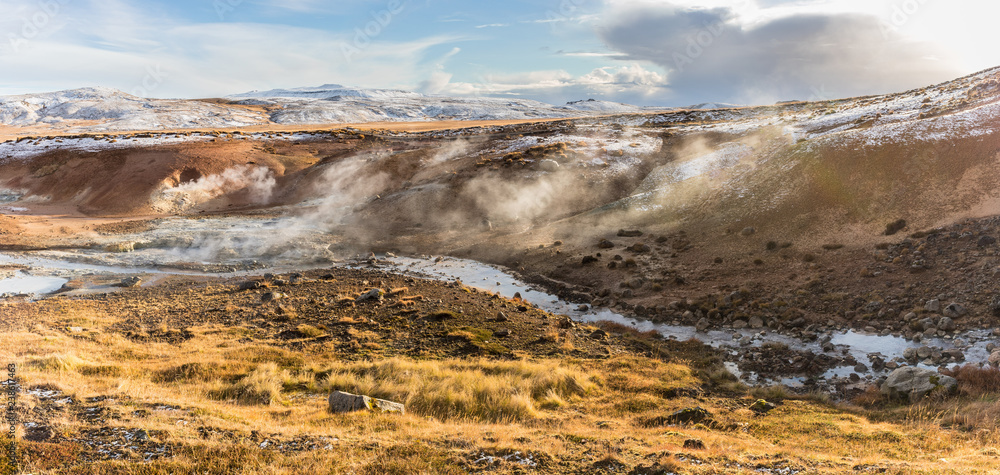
(55, 363)
(261, 387)
(466, 390)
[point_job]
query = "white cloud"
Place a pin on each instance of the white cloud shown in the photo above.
(588, 54)
(439, 79)
(111, 44)
(300, 6)
(738, 52)
(631, 83)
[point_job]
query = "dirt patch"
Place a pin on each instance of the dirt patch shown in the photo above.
(125, 227)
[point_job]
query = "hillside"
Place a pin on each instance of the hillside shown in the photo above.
(708, 290)
(101, 109)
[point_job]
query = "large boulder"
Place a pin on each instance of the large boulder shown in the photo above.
(995, 358)
(341, 402)
(914, 383)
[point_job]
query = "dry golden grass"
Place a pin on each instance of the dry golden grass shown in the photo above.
(481, 390)
(262, 386)
(583, 416)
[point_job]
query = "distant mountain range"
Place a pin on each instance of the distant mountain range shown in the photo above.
(104, 109)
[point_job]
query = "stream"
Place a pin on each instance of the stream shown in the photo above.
(859, 345)
(46, 273)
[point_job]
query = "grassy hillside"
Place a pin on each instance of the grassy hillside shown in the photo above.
(200, 377)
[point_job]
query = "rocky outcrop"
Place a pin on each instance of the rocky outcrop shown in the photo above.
(914, 383)
(341, 402)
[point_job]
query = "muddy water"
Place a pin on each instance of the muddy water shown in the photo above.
(26, 284)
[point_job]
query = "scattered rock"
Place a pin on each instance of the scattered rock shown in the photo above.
(756, 322)
(954, 310)
(373, 295)
(638, 248)
(140, 435)
(994, 306)
(702, 325)
(548, 165)
(502, 333)
(694, 444)
(995, 358)
(985, 241)
(933, 305)
(914, 383)
(128, 282)
(689, 415)
(762, 407)
(895, 227)
(341, 402)
(599, 335)
(629, 233)
(748, 231)
(251, 285)
(566, 323)
(588, 260)
(605, 244)
(271, 296)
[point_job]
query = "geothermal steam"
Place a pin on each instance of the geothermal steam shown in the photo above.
(257, 181)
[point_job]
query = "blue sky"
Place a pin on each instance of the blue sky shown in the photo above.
(650, 52)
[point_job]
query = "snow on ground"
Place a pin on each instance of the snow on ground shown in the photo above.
(616, 151)
(114, 110)
(25, 149)
(606, 107)
(961, 108)
(713, 105)
(329, 91)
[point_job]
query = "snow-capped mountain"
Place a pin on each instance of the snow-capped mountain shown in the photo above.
(594, 105)
(98, 109)
(328, 91)
(104, 109)
(334, 103)
(712, 105)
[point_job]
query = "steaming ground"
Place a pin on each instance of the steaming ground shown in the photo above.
(217, 282)
(767, 202)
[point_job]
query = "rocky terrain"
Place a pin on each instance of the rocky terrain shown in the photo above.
(846, 250)
(202, 375)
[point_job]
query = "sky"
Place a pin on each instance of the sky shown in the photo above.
(645, 52)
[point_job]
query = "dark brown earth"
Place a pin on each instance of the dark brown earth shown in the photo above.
(297, 320)
(800, 277)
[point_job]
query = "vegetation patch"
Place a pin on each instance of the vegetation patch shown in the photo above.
(494, 391)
